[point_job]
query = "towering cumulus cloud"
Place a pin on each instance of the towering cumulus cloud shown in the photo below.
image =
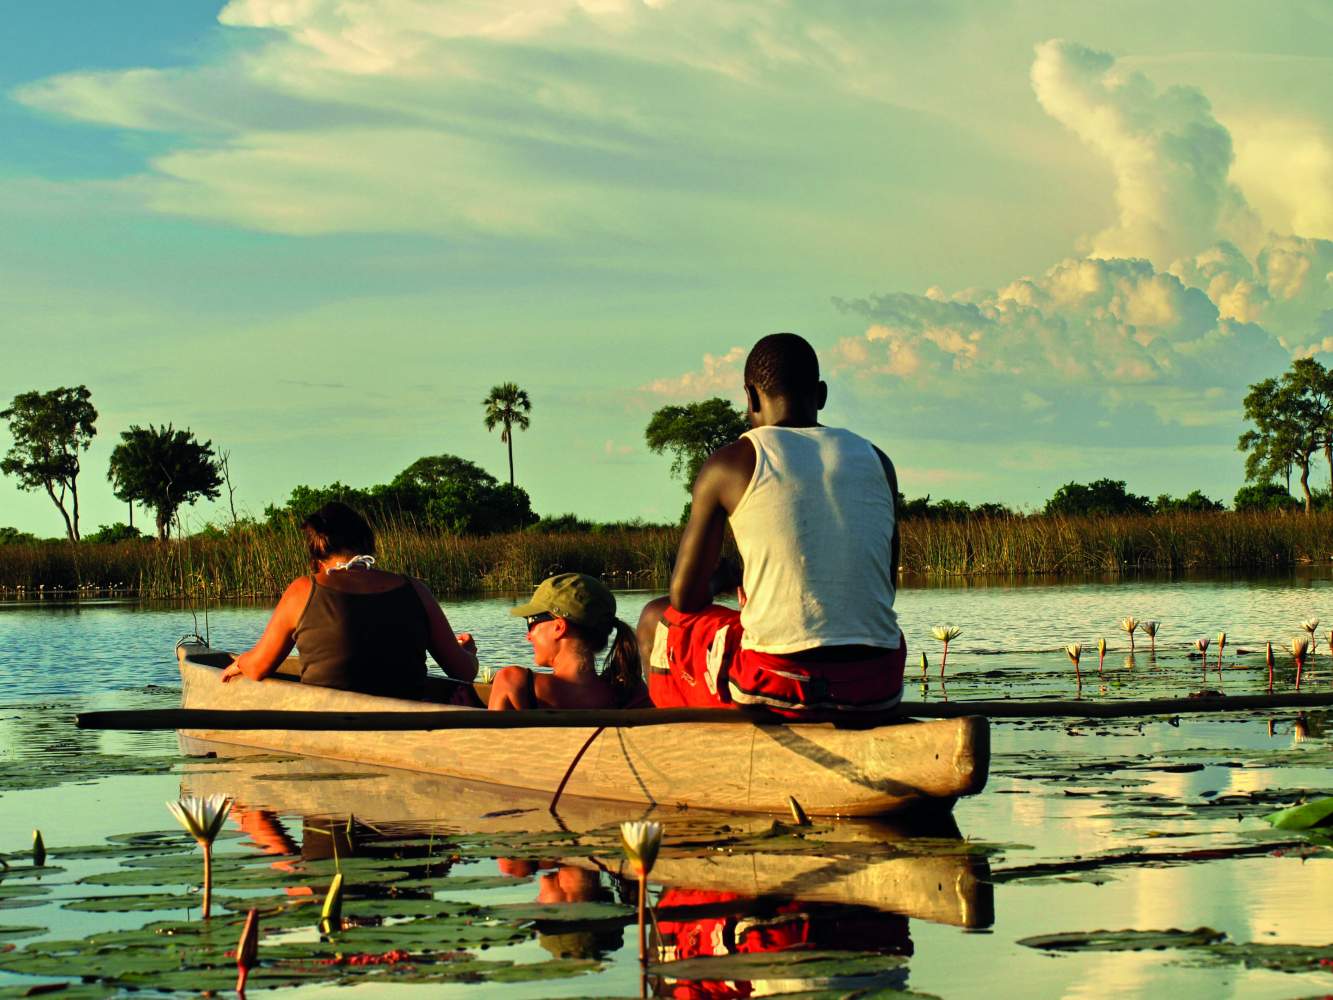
(1179, 305)
(1170, 156)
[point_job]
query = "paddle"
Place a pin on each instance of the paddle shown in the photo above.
(628, 718)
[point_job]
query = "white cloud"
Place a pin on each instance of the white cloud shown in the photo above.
(720, 375)
(1170, 156)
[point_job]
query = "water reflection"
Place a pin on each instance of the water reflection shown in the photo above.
(770, 900)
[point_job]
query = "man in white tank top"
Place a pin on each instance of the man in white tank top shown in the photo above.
(812, 509)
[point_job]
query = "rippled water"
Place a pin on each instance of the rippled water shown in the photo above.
(1137, 825)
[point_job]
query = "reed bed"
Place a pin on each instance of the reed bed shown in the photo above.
(259, 561)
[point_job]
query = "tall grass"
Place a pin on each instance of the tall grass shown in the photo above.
(1188, 540)
(260, 561)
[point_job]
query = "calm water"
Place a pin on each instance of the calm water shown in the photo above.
(1141, 826)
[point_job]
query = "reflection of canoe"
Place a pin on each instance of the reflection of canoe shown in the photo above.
(703, 765)
(922, 870)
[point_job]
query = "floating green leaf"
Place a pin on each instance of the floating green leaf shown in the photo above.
(1124, 940)
(1307, 816)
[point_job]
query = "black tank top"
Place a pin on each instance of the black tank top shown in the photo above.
(372, 643)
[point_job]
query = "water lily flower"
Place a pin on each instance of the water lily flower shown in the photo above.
(1221, 645)
(247, 950)
(1329, 638)
(1150, 630)
(1268, 659)
(945, 634)
(1202, 645)
(642, 841)
(1300, 645)
(203, 819)
(1101, 654)
(38, 850)
(1310, 624)
(1129, 624)
(1075, 651)
(924, 664)
(331, 916)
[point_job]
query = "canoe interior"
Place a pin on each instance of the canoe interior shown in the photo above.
(913, 766)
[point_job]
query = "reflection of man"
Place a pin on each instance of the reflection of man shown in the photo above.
(699, 923)
(812, 509)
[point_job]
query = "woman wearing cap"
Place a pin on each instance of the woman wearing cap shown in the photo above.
(358, 628)
(571, 618)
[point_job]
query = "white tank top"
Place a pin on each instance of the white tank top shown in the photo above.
(814, 529)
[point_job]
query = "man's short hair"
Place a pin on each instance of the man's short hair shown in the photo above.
(782, 364)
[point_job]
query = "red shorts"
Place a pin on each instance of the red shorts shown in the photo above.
(698, 662)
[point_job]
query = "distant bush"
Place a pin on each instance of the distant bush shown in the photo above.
(1268, 496)
(110, 534)
(12, 536)
(1101, 497)
(438, 493)
(921, 508)
(1194, 501)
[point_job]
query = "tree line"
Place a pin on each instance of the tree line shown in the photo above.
(162, 468)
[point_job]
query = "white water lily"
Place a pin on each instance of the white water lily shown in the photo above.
(201, 817)
(1150, 628)
(641, 842)
(1300, 646)
(1129, 624)
(1310, 624)
(1202, 645)
(1075, 651)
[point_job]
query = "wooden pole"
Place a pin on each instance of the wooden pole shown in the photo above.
(628, 718)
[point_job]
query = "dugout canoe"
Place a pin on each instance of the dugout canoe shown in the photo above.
(906, 766)
(919, 867)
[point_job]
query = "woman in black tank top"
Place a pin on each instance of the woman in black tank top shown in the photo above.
(356, 627)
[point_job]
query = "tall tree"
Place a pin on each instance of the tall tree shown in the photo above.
(507, 406)
(1289, 427)
(693, 432)
(50, 429)
(162, 469)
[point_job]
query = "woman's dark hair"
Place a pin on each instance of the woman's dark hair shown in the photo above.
(621, 667)
(336, 528)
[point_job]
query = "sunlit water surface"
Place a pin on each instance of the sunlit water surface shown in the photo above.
(1139, 825)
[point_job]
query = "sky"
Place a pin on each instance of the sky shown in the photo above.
(1032, 242)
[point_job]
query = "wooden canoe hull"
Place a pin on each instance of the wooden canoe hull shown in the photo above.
(832, 772)
(923, 870)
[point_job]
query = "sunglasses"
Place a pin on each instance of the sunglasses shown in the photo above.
(535, 620)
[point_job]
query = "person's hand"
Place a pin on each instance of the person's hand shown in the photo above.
(467, 642)
(232, 672)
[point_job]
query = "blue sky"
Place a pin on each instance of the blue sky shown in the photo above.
(1032, 242)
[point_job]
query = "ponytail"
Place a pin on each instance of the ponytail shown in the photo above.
(622, 667)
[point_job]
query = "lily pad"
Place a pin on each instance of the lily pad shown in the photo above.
(1124, 940)
(16, 932)
(1318, 813)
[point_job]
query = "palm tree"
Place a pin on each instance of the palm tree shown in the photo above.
(508, 406)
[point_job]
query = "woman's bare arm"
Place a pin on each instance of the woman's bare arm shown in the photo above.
(279, 635)
(456, 654)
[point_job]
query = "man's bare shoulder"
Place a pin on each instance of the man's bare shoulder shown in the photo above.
(728, 471)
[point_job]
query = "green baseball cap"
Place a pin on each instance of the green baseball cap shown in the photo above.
(582, 599)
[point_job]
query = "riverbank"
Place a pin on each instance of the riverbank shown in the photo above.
(259, 561)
